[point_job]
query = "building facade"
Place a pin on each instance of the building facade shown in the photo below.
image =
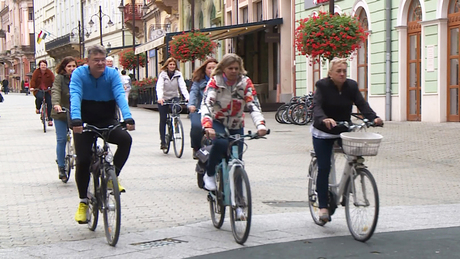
(16, 42)
(72, 26)
(408, 67)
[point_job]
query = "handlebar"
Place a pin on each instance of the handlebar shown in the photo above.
(235, 137)
(352, 126)
(103, 132)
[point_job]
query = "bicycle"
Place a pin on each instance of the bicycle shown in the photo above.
(43, 110)
(233, 190)
(174, 129)
(357, 189)
(103, 192)
(69, 149)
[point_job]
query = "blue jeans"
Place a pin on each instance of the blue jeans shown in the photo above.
(61, 139)
(196, 131)
(323, 150)
(220, 146)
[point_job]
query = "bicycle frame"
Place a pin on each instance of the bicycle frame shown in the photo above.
(227, 172)
(338, 189)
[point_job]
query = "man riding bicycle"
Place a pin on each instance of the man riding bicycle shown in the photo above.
(95, 92)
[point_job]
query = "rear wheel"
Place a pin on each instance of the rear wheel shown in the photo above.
(362, 204)
(168, 136)
(216, 202)
(178, 139)
(299, 114)
(112, 208)
(279, 112)
(241, 210)
(93, 208)
(313, 202)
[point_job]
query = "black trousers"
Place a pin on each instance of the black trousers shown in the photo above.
(83, 143)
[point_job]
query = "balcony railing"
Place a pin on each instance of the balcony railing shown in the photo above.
(63, 40)
(128, 12)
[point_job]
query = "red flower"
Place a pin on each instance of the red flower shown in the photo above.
(191, 46)
(324, 36)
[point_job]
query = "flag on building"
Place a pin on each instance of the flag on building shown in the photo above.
(39, 38)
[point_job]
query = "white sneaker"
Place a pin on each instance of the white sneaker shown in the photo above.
(240, 214)
(209, 182)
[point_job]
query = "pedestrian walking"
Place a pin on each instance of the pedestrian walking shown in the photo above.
(5, 84)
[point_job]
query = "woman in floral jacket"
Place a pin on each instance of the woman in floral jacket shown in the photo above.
(225, 97)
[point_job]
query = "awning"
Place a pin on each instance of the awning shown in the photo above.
(150, 45)
(216, 33)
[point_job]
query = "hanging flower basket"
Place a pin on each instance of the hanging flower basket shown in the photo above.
(324, 36)
(150, 81)
(191, 46)
(129, 61)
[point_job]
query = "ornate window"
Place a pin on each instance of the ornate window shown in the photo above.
(363, 57)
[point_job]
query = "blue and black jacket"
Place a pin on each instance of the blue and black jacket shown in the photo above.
(95, 100)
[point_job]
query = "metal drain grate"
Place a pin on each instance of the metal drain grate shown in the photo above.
(159, 243)
(286, 203)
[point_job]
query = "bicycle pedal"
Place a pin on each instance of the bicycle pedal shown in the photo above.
(82, 222)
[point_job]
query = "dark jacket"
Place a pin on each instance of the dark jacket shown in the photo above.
(38, 77)
(328, 102)
(60, 95)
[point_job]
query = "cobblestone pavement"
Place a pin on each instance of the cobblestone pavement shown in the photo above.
(417, 167)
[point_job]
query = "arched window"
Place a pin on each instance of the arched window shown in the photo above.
(414, 62)
(363, 56)
(453, 45)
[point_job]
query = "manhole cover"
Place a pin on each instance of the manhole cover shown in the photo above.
(286, 203)
(159, 243)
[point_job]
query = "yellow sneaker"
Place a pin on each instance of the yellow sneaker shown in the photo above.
(120, 188)
(80, 216)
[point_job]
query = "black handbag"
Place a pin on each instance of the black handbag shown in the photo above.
(203, 153)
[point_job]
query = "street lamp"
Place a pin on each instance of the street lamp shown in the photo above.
(100, 15)
(80, 38)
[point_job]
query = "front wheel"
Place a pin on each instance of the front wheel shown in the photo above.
(362, 204)
(112, 208)
(43, 116)
(69, 160)
(168, 137)
(178, 139)
(216, 201)
(313, 202)
(241, 210)
(93, 206)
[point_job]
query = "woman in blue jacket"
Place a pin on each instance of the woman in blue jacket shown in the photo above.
(200, 79)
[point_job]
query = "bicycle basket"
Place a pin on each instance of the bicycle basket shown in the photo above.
(360, 143)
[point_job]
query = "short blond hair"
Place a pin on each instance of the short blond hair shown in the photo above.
(337, 61)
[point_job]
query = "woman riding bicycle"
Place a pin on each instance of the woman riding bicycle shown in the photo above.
(225, 97)
(42, 79)
(333, 101)
(169, 81)
(200, 79)
(60, 97)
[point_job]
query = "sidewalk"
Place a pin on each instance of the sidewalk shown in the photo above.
(416, 172)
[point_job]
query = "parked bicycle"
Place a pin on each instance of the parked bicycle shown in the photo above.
(233, 190)
(298, 111)
(69, 149)
(174, 129)
(43, 110)
(357, 189)
(103, 192)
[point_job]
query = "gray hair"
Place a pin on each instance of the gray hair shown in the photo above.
(226, 61)
(96, 49)
(109, 58)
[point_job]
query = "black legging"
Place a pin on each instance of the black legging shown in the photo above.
(163, 111)
(83, 143)
(39, 99)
